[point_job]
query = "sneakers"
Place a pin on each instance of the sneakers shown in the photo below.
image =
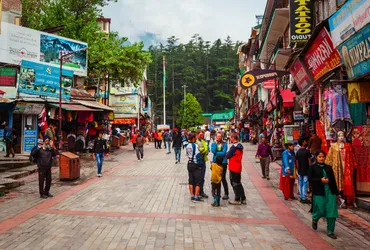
(204, 195)
(332, 235)
(225, 197)
(235, 202)
(99, 175)
(244, 202)
(196, 199)
(43, 196)
(314, 225)
(49, 195)
(192, 198)
(176, 162)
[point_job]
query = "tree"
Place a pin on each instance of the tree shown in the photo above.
(190, 113)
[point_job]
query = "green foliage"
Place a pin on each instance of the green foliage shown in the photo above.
(190, 113)
(106, 53)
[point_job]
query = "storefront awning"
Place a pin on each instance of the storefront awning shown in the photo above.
(288, 97)
(74, 107)
(93, 104)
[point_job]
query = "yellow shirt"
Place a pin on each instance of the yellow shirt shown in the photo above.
(216, 176)
(160, 136)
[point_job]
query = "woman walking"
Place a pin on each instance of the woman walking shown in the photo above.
(287, 171)
(325, 193)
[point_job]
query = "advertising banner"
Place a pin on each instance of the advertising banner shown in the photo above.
(301, 20)
(321, 56)
(19, 43)
(270, 84)
(255, 77)
(355, 53)
(300, 75)
(8, 77)
(124, 104)
(43, 80)
(350, 18)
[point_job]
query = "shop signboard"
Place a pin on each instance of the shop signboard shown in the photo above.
(355, 53)
(301, 20)
(124, 104)
(298, 115)
(300, 75)
(29, 143)
(18, 43)
(124, 121)
(8, 77)
(270, 84)
(43, 80)
(349, 19)
(255, 77)
(321, 56)
(28, 108)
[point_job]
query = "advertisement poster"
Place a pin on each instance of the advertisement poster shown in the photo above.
(124, 104)
(43, 80)
(301, 20)
(321, 56)
(350, 18)
(29, 143)
(355, 53)
(8, 77)
(19, 43)
(300, 76)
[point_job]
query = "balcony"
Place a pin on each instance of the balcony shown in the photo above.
(281, 53)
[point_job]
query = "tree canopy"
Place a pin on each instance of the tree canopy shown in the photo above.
(190, 113)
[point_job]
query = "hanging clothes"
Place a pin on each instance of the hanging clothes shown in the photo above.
(358, 113)
(354, 93)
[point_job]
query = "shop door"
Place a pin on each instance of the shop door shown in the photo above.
(29, 123)
(17, 125)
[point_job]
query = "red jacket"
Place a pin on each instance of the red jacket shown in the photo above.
(235, 157)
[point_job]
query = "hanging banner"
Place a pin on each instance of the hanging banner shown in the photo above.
(270, 84)
(321, 56)
(356, 54)
(349, 19)
(255, 77)
(300, 75)
(301, 20)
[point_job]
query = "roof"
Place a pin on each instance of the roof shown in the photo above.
(206, 114)
(73, 107)
(93, 104)
(79, 94)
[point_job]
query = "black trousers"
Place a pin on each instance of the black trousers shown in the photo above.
(9, 148)
(216, 189)
(203, 169)
(224, 181)
(156, 143)
(235, 179)
(160, 143)
(44, 180)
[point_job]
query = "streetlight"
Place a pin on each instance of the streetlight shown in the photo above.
(60, 92)
(138, 107)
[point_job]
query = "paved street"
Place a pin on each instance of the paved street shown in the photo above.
(146, 205)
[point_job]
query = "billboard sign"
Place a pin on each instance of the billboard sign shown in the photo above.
(19, 43)
(349, 19)
(255, 77)
(124, 104)
(301, 20)
(44, 80)
(8, 77)
(300, 75)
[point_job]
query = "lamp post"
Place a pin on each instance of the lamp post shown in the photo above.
(138, 107)
(60, 92)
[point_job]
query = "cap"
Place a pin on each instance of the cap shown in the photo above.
(40, 141)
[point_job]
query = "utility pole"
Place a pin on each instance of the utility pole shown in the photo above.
(184, 86)
(164, 90)
(173, 94)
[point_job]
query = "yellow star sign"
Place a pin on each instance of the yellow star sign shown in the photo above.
(247, 80)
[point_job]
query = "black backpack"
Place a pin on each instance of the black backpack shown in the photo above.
(31, 158)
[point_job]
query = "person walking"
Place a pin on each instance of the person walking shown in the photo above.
(288, 160)
(140, 140)
(44, 154)
(194, 168)
(207, 136)
(8, 139)
(176, 144)
(203, 148)
(219, 148)
(303, 162)
(167, 137)
(155, 135)
(264, 153)
(325, 193)
(235, 156)
(216, 179)
(160, 138)
(99, 148)
(133, 140)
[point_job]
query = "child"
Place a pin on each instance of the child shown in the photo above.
(216, 180)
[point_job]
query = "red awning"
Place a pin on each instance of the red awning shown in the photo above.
(288, 97)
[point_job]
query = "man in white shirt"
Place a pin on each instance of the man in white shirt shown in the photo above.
(207, 136)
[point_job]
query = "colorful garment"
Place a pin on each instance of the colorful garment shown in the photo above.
(320, 130)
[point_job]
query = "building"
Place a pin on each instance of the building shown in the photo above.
(11, 11)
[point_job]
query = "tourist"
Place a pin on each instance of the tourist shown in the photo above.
(176, 143)
(99, 148)
(203, 148)
(140, 140)
(288, 160)
(8, 139)
(160, 138)
(167, 138)
(264, 153)
(194, 168)
(207, 136)
(155, 135)
(216, 179)
(303, 156)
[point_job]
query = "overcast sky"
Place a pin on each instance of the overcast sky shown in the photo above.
(211, 19)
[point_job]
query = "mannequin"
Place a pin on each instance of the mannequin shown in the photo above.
(341, 158)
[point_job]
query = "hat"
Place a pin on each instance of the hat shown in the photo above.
(40, 141)
(46, 137)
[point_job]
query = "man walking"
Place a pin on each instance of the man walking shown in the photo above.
(176, 143)
(303, 161)
(203, 148)
(8, 138)
(264, 153)
(100, 147)
(219, 148)
(44, 154)
(167, 137)
(207, 136)
(140, 140)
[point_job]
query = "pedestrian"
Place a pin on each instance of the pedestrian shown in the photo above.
(288, 160)
(155, 135)
(160, 138)
(264, 153)
(235, 156)
(184, 140)
(194, 168)
(216, 179)
(176, 144)
(303, 156)
(133, 140)
(167, 138)
(99, 148)
(219, 148)
(8, 139)
(207, 136)
(44, 154)
(314, 143)
(325, 193)
(261, 135)
(140, 140)
(203, 148)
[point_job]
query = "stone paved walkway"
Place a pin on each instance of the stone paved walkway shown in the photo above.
(146, 205)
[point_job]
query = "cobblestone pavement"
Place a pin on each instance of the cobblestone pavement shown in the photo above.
(146, 205)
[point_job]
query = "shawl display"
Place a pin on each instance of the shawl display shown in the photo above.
(320, 130)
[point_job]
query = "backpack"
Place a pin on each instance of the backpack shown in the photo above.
(198, 157)
(31, 158)
(167, 136)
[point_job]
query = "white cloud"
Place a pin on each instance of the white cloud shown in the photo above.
(211, 19)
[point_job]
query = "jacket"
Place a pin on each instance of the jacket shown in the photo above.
(315, 173)
(100, 146)
(203, 148)
(140, 140)
(44, 157)
(288, 160)
(217, 152)
(167, 136)
(216, 176)
(235, 157)
(176, 140)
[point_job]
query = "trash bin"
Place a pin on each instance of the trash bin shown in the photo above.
(123, 140)
(69, 167)
(116, 142)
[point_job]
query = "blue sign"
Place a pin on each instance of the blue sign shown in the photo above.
(29, 143)
(1, 133)
(30, 133)
(355, 53)
(43, 80)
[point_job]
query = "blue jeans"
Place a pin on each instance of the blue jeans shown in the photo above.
(303, 185)
(99, 161)
(177, 153)
(168, 146)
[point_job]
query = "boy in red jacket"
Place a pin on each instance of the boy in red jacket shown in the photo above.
(235, 156)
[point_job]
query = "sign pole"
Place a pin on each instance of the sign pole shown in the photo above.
(164, 90)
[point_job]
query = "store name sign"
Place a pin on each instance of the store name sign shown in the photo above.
(255, 77)
(300, 76)
(349, 19)
(356, 54)
(301, 20)
(321, 57)
(8, 77)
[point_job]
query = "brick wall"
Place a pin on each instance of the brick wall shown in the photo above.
(14, 5)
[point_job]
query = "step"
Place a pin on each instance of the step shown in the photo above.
(19, 174)
(7, 165)
(16, 158)
(363, 202)
(10, 183)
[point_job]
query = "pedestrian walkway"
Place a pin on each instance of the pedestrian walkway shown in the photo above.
(146, 205)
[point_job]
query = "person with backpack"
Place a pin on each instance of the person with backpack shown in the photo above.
(177, 141)
(219, 148)
(167, 137)
(203, 148)
(195, 163)
(8, 139)
(43, 154)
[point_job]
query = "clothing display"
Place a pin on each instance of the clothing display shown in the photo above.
(358, 113)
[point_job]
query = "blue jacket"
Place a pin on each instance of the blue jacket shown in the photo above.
(288, 160)
(217, 153)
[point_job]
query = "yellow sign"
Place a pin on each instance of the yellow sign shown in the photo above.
(247, 80)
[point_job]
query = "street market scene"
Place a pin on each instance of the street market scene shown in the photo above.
(185, 125)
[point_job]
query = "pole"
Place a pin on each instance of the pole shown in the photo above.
(60, 100)
(184, 86)
(164, 90)
(173, 94)
(138, 108)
